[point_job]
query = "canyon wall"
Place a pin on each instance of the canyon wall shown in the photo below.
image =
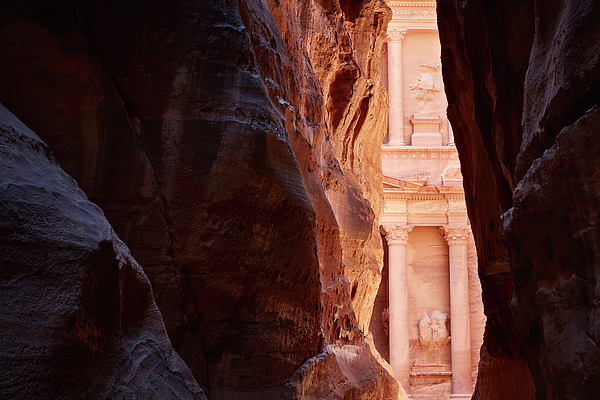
(77, 313)
(523, 81)
(234, 148)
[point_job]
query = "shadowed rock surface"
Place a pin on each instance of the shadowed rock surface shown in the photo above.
(523, 83)
(77, 315)
(234, 147)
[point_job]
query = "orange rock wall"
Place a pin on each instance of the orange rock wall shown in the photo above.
(340, 108)
(522, 80)
(234, 147)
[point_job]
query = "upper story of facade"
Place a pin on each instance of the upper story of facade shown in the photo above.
(422, 178)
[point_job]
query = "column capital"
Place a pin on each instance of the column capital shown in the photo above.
(456, 235)
(396, 235)
(396, 35)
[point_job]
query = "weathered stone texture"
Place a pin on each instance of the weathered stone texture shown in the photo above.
(340, 108)
(210, 133)
(77, 315)
(522, 80)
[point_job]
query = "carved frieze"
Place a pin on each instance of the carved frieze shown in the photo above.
(427, 206)
(415, 14)
(441, 153)
(397, 235)
(433, 333)
(456, 235)
(452, 172)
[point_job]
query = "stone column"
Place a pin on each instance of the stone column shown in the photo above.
(457, 238)
(395, 89)
(397, 237)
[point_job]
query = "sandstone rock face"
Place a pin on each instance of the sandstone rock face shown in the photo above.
(343, 372)
(77, 318)
(234, 148)
(522, 80)
(339, 108)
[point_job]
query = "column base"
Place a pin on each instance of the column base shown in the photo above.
(461, 396)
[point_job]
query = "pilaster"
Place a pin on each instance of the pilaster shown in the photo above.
(457, 238)
(395, 88)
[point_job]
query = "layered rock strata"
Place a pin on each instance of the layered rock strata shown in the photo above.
(234, 148)
(522, 80)
(77, 314)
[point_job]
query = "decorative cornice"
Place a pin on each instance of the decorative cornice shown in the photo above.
(455, 196)
(456, 235)
(452, 192)
(396, 35)
(411, 149)
(402, 184)
(428, 196)
(396, 235)
(398, 194)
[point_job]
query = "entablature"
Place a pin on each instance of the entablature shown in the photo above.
(414, 14)
(414, 152)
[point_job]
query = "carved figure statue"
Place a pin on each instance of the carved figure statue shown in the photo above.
(441, 336)
(451, 171)
(425, 333)
(425, 85)
(433, 333)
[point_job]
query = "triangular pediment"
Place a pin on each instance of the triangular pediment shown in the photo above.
(396, 183)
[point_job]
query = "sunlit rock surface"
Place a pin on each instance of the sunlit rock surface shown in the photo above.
(522, 80)
(339, 112)
(233, 146)
(77, 316)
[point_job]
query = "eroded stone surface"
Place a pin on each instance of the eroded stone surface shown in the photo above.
(77, 317)
(522, 79)
(229, 156)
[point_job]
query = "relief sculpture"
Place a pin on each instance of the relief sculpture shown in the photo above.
(425, 333)
(451, 172)
(426, 85)
(433, 334)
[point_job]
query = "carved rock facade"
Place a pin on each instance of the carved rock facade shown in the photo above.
(432, 289)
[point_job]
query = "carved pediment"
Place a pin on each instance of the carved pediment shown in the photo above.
(395, 183)
(419, 179)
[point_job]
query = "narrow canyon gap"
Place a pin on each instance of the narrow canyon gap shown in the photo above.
(233, 146)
